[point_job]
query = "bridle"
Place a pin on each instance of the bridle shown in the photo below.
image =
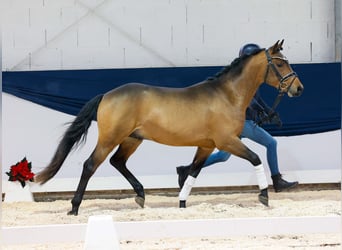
(283, 86)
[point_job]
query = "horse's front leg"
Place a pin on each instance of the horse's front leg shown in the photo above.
(196, 166)
(237, 148)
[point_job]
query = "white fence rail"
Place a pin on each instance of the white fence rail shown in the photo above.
(141, 230)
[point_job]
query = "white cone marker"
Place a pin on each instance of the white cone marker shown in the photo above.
(101, 234)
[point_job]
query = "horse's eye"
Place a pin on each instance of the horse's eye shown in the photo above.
(280, 64)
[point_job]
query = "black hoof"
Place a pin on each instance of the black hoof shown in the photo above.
(140, 201)
(263, 197)
(182, 204)
(263, 200)
(73, 212)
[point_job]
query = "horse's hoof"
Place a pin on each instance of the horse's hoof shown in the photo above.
(263, 199)
(140, 201)
(73, 212)
(182, 204)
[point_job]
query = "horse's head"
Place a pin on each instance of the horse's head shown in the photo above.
(279, 73)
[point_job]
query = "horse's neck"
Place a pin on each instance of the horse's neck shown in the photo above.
(246, 85)
(247, 88)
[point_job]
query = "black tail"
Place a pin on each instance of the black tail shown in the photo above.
(76, 133)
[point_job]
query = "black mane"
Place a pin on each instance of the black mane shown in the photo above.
(236, 66)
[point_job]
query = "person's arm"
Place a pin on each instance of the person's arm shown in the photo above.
(266, 114)
(256, 106)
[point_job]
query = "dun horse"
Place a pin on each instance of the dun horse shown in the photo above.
(208, 115)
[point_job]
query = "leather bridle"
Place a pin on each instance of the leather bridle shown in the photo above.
(283, 85)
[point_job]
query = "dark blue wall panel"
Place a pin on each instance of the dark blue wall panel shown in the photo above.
(317, 110)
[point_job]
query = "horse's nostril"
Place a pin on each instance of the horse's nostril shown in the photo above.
(299, 91)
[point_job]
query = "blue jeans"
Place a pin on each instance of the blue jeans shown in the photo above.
(257, 134)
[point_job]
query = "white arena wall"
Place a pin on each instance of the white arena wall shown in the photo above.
(82, 34)
(89, 34)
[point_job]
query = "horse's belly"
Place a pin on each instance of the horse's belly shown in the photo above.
(174, 138)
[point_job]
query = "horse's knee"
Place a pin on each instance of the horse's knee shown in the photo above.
(254, 159)
(117, 162)
(195, 172)
(112, 161)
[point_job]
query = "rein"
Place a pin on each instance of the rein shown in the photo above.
(283, 87)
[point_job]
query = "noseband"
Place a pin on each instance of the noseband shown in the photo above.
(283, 86)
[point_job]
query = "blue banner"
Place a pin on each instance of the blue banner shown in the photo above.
(317, 110)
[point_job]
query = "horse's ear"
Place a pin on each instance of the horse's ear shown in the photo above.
(277, 46)
(281, 45)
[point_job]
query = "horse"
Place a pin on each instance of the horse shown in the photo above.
(208, 115)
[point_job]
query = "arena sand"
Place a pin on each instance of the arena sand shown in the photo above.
(207, 206)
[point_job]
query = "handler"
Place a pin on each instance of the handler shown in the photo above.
(257, 113)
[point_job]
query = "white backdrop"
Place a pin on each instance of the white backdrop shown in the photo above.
(70, 34)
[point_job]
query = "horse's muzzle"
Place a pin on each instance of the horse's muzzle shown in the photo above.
(295, 92)
(300, 90)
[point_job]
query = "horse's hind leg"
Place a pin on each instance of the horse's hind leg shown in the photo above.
(196, 166)
(89, 168)
(119, 159)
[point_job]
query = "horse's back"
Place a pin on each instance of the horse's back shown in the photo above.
(156, 96)
(172, 116)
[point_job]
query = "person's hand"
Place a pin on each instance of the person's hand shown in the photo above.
(263, 118)
(274, 118)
